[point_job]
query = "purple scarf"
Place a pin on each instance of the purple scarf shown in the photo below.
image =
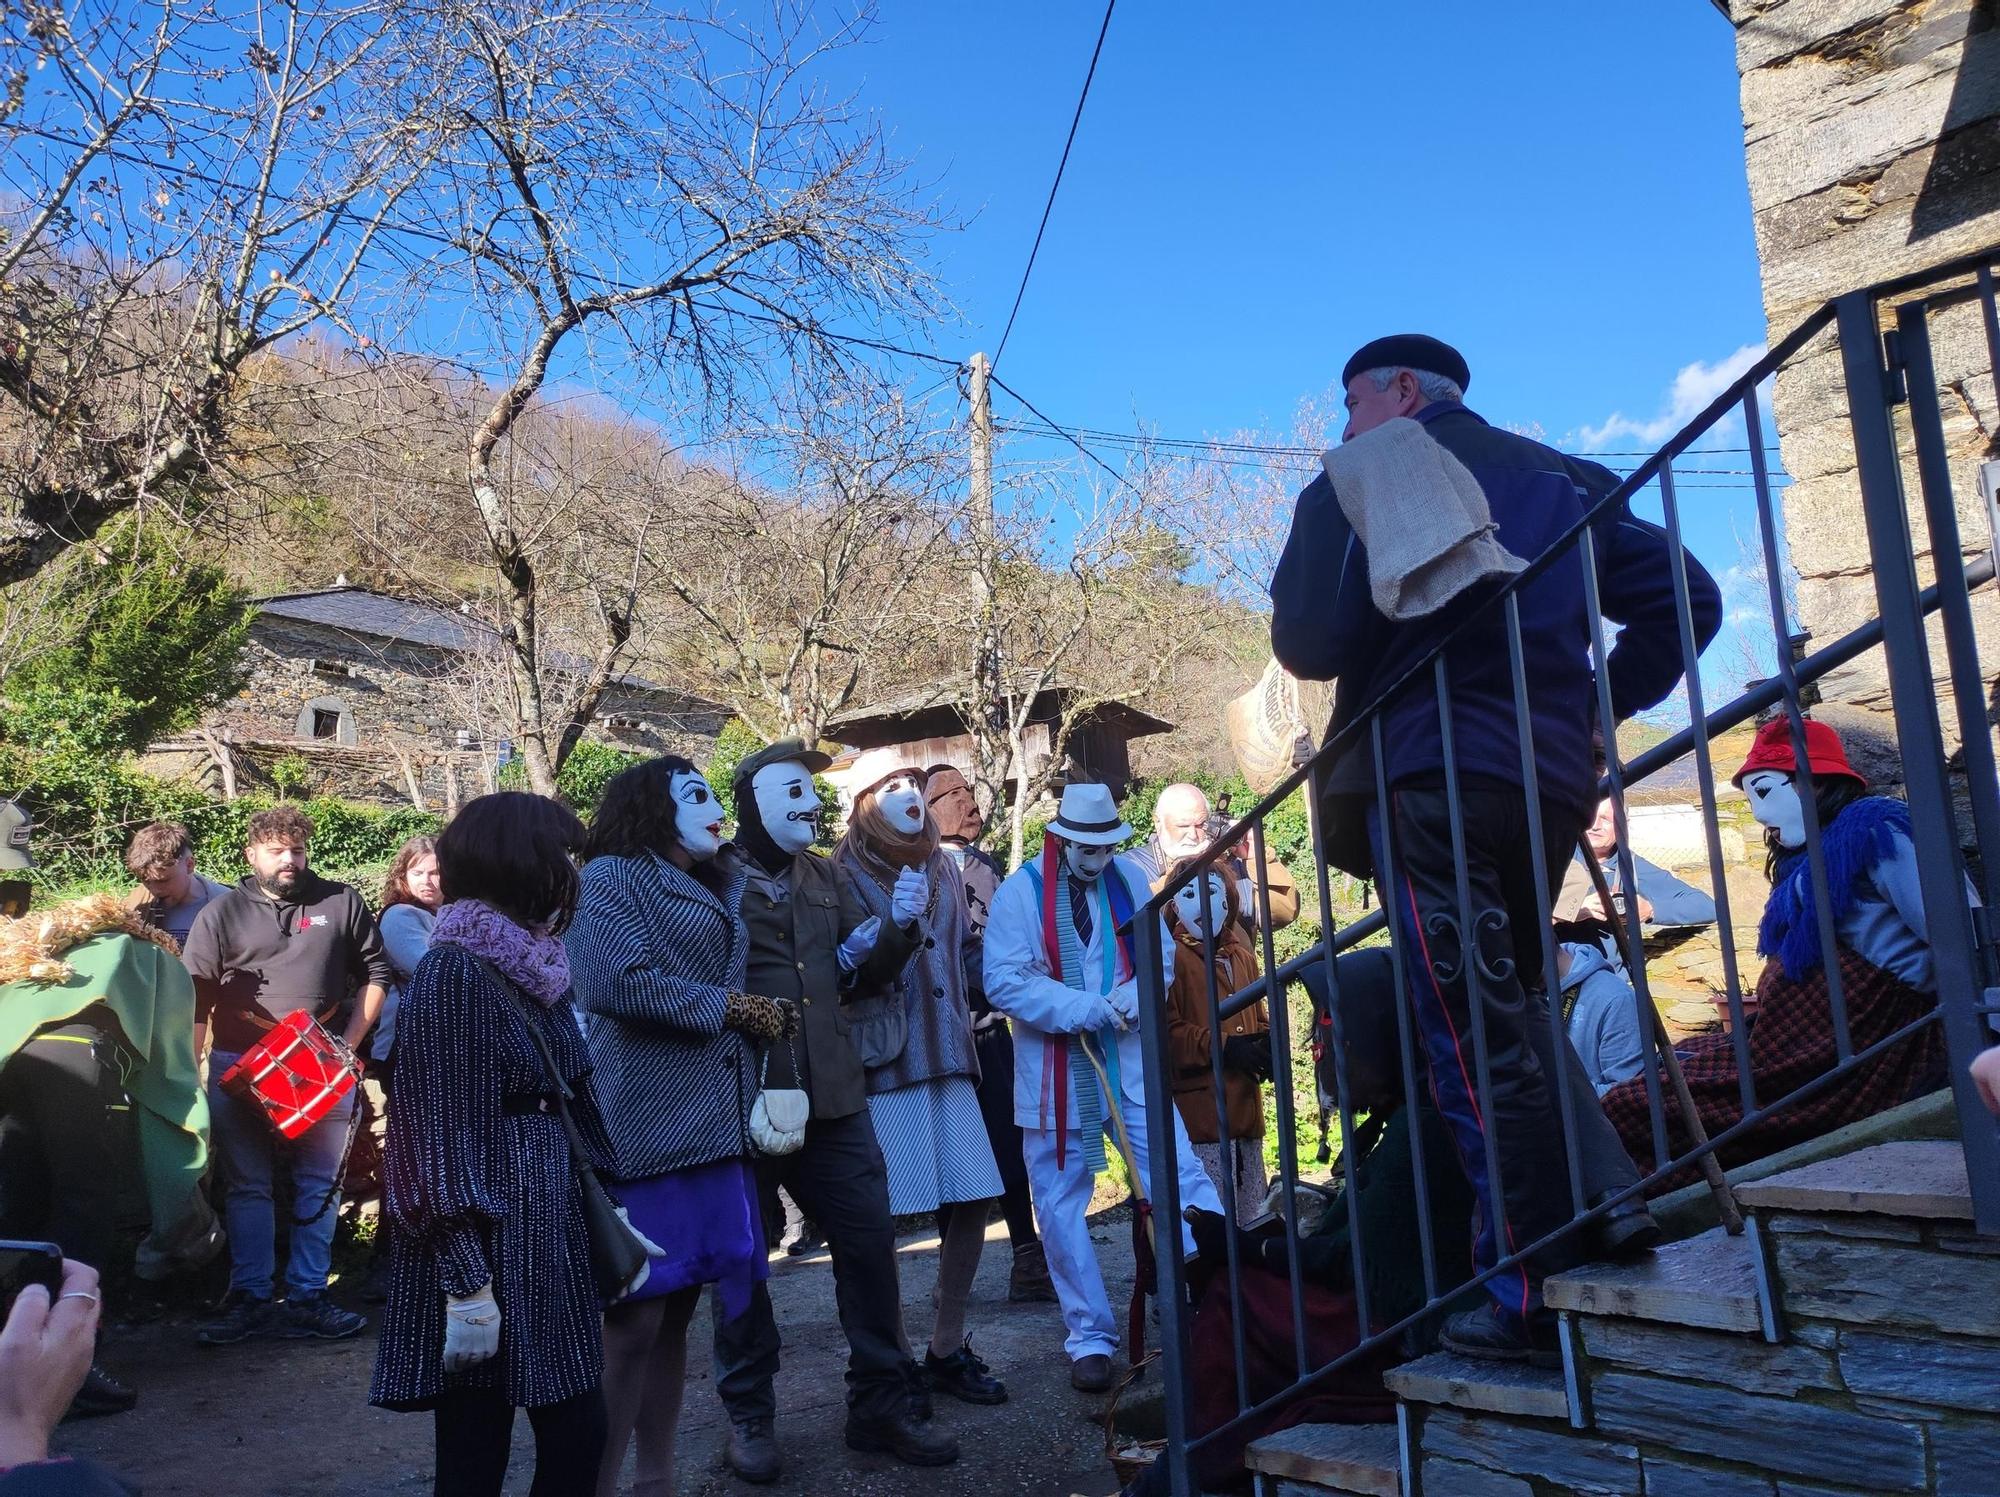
(538, 964)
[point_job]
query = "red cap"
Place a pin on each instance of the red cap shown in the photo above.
(1773, 750)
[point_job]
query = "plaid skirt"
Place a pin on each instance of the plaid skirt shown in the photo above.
(1791, 1042)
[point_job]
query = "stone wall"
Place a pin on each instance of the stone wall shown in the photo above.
(396, 711)
(1872, 143)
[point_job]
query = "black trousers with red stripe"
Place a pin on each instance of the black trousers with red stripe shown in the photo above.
(1520, 1111)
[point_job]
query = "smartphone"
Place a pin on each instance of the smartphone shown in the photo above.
(25, 1263)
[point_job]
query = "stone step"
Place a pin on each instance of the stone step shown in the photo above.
(1707, 1281)
(1467, 1383)
(1346, 1458)
(1922, 1178)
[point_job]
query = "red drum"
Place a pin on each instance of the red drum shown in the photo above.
(297, 1073)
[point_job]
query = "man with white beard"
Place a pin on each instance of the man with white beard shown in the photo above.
(814, 943)
(1074, 1002)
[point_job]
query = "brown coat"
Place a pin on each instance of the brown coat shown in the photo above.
(1188, 1037)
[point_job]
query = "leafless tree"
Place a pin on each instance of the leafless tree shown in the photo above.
(191, 186)
(811, 569)
(659, 203)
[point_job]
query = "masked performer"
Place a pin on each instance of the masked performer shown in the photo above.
(815, 944)
(916, 1041)
(657, 954)
(960, 825)
(1214, 960)
(1881, 949)
(1059, 962)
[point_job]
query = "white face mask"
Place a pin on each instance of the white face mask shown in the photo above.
(697, 816)
(1189, 899)
(902, 803)
(1774, 801)
(1086, 863)
(788, 804)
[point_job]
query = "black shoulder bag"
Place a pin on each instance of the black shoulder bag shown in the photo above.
(616, 1254)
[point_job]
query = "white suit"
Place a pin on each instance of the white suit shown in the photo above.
(1045, 1011)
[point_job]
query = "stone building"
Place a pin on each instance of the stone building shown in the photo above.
(1872, 142)
(393, 699)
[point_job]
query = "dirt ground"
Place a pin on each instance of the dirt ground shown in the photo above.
(291, 1419)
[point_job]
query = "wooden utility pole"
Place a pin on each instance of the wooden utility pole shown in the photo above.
(986, 669)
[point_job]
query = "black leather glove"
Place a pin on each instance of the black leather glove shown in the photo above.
(1210, 1233)
(1249, 1054)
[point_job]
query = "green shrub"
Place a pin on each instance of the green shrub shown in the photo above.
(291, 774)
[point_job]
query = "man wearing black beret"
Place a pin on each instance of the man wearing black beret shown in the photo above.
(1325, 625)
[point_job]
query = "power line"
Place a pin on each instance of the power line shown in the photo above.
(1048, 207)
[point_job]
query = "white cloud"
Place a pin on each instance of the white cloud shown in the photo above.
(1693, 388)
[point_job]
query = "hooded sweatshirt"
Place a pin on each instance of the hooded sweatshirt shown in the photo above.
(1603, 1024)
(255, 958)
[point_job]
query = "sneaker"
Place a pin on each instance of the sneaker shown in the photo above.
(913, 1441)
(314, 1315)
(753, 1452)
(1491, 1336)
(101, 1393)
(964, 1376)
(809, 1240)
(1028, 1280)
(242, 1315)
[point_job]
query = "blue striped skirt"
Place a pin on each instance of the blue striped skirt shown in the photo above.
(933, 1139)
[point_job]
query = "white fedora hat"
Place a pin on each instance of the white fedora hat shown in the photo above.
(872, 766)
(1090, 816)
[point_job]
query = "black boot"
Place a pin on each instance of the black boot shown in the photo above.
(913, 1441)
(1626, 1232)
(1491, 1336)
(100, 1394)
(964, 1376)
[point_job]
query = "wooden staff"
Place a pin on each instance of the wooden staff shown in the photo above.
(1718, 1183)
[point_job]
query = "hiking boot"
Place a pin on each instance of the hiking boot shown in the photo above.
(100, 1394)
(241, 1316)
(1091, 1374)
(1627, 1231)
(753, 1452)
(315, 1316)
(1494, 1336)
(913, 1441)
(964, 1376)
(1028, 1282)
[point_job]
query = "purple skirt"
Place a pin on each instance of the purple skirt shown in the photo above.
(706, 1221)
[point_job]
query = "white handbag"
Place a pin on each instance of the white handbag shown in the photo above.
(778, 1114)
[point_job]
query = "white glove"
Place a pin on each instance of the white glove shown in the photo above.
(911, 894)
(859, 943)
(1124, 1001)
(1103, 1014)
(653, 1250)
(471, 1329)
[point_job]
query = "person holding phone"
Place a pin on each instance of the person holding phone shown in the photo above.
(45, 1353)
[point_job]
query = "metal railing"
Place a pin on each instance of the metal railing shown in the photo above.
(1885, 355)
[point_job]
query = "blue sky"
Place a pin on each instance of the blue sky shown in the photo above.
(1556, 188)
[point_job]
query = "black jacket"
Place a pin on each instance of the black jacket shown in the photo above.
(1325, 626)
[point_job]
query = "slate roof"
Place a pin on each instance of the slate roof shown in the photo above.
(870, 720)
(410, 621)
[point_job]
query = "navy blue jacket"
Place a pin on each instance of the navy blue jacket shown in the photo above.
(1325, 626)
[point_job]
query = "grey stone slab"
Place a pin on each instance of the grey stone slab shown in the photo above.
(1457, 1479)
(1928, 1370)
(1870, 1283)
(1495, 1387)
(1786, 1436)
(1952, 1238)
(1709, 1357)
(1576, 1462)
(1918, 1177)
(1670, 1478)
(1706, 1281)
(1844, 1224)
(1966, 1455)
(1347, 1457)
